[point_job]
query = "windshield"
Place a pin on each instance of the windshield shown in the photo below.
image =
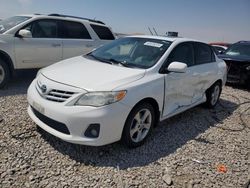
(11, 22)
(239, 49)
(132, 52)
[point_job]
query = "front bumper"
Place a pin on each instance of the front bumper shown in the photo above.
(78, 118)
(237, 72)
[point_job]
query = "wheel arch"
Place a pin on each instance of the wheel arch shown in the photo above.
(6, 58)
(154, 104)
(217, 81)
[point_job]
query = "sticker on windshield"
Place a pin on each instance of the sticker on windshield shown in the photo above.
(153, 44)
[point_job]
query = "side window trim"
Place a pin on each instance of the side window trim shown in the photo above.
(212, 54)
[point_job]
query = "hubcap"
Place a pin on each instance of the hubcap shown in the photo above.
(2, 74)
(215, 94)
(140, 125)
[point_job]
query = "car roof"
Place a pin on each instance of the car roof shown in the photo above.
(63, 17)
(243, 42)
(171, 39)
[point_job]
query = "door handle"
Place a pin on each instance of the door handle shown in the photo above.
(56, 45)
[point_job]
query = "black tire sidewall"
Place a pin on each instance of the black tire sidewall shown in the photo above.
(6, 72)
(209, 95)
(126, 138)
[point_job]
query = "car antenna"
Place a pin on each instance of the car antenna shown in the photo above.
(150, 31)
(155, 31)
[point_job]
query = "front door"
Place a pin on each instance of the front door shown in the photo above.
(180, 87)
(43, 49)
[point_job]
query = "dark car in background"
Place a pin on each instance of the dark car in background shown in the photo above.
(237, 58)
(219, 47)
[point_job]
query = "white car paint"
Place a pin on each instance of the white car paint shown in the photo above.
(91, 75)
(174, 92)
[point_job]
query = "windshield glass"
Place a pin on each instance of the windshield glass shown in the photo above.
(11, 22)
(242, 49)
(132, 52)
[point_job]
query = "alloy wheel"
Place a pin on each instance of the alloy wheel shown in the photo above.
(140, 125)
(215, 94)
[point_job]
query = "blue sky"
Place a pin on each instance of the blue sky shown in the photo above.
(207, 20)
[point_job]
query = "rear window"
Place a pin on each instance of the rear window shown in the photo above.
(103, 33)
(74, 30)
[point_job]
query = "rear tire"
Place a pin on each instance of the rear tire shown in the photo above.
(213, 95)
(4, 73)
(138, 125)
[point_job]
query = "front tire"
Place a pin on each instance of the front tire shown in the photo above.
(213, 95)
(4, 73)
(138, 125)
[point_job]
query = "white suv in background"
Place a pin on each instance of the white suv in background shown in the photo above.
(35, 41)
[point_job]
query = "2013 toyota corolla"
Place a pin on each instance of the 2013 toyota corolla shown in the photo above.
(121, 90)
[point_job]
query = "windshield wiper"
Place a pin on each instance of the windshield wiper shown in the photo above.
(123, 63)
(99, 59)
(112, 61)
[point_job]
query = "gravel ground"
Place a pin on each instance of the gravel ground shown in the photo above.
(184, 151)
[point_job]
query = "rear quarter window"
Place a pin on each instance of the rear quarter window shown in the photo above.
(102, 32)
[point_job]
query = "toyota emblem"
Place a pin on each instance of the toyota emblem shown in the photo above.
(43, 88)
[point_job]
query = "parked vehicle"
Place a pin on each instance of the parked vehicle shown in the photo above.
(237, 58)
(220, 47)
(122, 89)
(35, 41)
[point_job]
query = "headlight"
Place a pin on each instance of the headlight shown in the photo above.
(98, 99)
(248, 68)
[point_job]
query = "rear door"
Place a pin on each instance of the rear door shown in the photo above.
(43, 49)
(75, 38)
(205, 69)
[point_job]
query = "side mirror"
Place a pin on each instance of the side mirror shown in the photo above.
(177, 67)
(23, 33)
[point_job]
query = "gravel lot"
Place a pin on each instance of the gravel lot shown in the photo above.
(183, 151)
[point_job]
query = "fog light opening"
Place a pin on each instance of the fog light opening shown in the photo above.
(92, 131)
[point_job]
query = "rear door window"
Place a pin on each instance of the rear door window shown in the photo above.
(74, 30)
(203, 53)
(103, 33)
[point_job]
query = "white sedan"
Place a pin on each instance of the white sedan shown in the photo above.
(121, 90)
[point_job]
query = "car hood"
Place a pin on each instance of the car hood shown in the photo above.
(238, 58)
(91, 75)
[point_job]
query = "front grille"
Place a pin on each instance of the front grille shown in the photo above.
(233, 68)
(58, 95)
(55, 94)
(51, 123)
